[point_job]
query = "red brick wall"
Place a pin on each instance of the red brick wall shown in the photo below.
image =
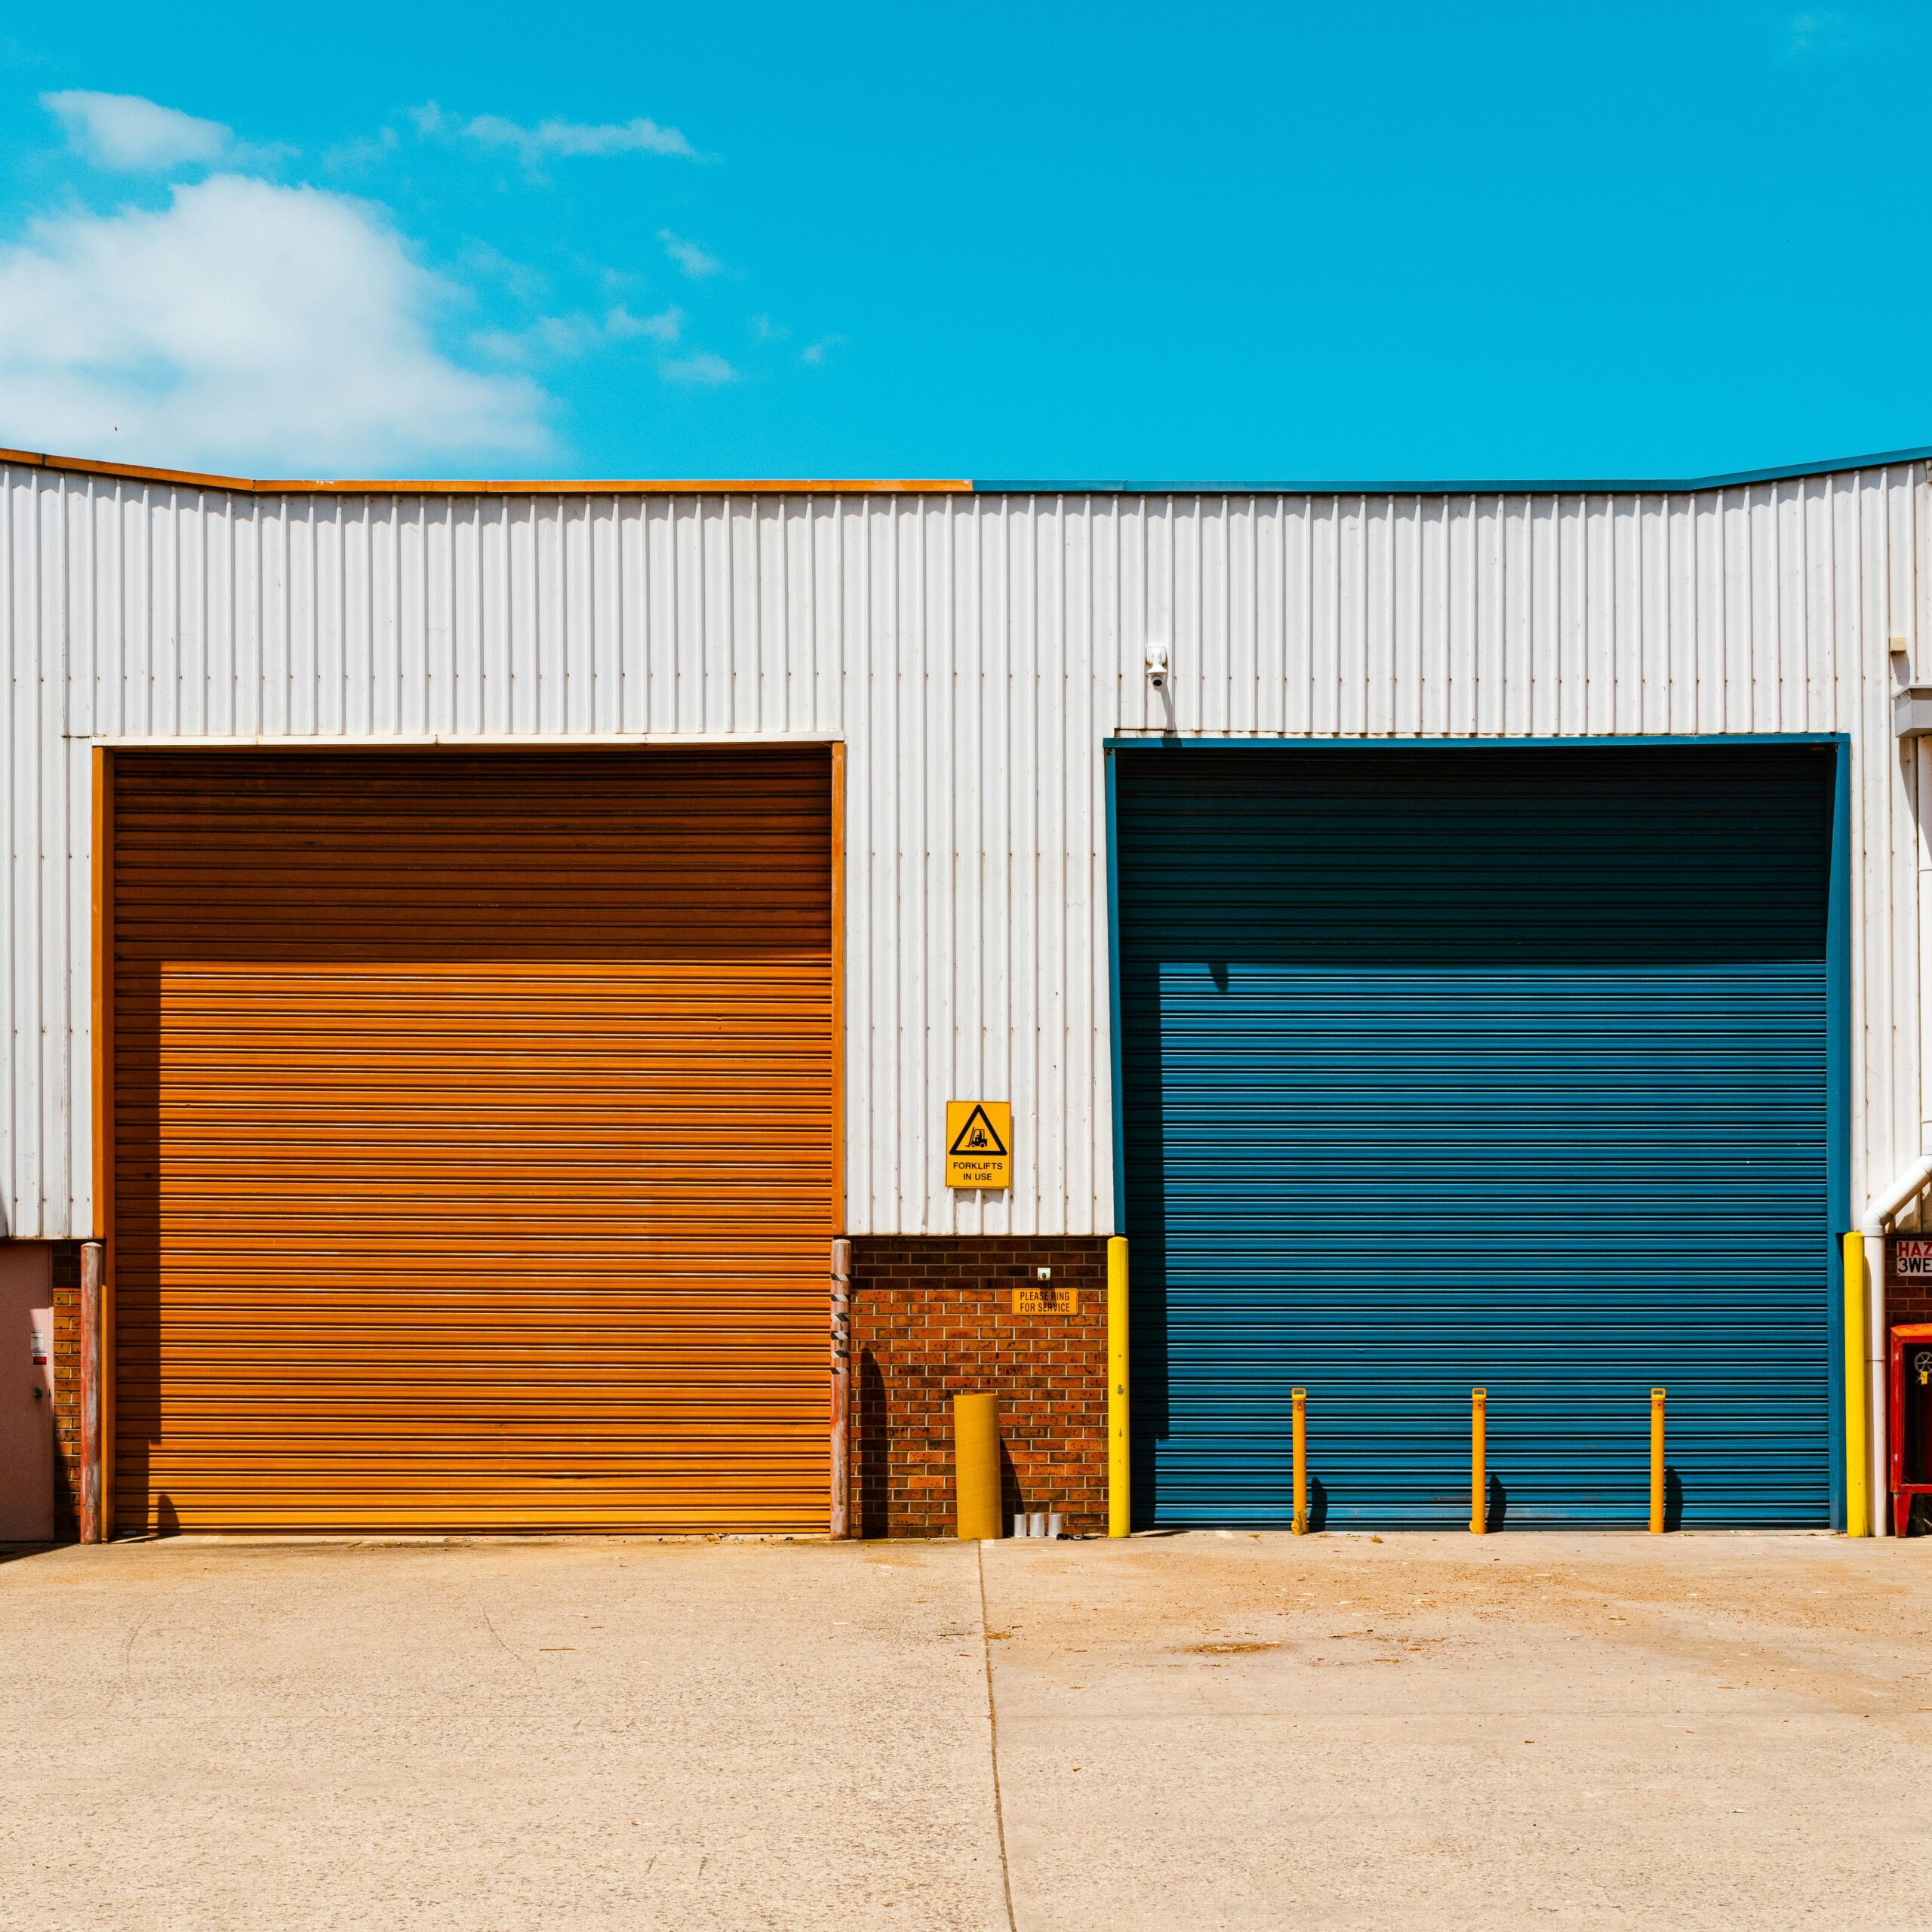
(933, 1318)
(1905, 1301)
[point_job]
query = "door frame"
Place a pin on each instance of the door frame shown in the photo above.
(101, 901)
(1837, 971)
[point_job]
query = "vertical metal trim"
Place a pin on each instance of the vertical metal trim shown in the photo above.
(101, 1075)
(839, 1217)
(1838, 1102)
(99, 1004)
(1113, 991)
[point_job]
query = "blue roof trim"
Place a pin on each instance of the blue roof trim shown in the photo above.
(1513, 487)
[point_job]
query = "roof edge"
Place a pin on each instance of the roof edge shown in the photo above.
(490, 486)
(950, 486)
(1627, 486)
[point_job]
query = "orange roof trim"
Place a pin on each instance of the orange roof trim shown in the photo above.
(487, 487)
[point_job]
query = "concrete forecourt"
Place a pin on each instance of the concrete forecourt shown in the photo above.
(1210, 1729)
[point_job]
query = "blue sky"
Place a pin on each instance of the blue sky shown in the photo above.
(1337, 243)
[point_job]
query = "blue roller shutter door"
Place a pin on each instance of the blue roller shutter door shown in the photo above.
(1454, 1066)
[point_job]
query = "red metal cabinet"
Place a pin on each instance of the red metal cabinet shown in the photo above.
(1909, 1409)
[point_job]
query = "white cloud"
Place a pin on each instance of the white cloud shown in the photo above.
(565, 337)
(245, 324)
(124, 130)
(361, 153)
(518, 279)
(689, 255)
(815, 355)
(552, 136)
(621, 324)
(700, 370)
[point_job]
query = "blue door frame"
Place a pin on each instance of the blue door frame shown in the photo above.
(1838, 973)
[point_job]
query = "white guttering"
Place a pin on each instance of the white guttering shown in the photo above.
(1883, 1206)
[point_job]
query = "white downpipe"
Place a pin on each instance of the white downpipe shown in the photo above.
(1880, 1210)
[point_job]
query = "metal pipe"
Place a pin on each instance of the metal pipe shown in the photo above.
(976, 1466)
(1479, 1462)
(841, 1524)
(92, 1476)
(1301, 1461)
(1120, 1492)
(1657, 1462)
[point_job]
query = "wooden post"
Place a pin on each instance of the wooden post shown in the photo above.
(841, 1388)
(92, 1476)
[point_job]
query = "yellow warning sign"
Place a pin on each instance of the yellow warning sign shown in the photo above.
(978, 1143)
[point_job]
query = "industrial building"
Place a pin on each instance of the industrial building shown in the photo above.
(470, 950)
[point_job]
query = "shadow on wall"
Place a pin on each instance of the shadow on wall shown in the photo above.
(869, 1431)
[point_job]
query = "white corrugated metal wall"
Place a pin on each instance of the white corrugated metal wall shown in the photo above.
(973, 652)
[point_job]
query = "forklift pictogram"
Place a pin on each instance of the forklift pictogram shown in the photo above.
(977, 1136)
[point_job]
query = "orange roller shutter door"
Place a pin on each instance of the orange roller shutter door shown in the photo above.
(474, 1139)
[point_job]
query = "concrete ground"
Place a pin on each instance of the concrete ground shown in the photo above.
(1184, 1733)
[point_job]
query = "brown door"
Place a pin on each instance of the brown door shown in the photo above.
(474, 1134)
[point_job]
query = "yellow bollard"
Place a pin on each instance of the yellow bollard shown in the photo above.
(1857, 1486)
(1120, 1493)
(1301, 1462)
(976, 1466)
(1479, 1462)
(1657, 1462)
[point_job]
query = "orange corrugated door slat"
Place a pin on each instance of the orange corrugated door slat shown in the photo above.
(473, 1144)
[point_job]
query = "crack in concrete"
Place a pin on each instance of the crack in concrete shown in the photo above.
(993, 1735)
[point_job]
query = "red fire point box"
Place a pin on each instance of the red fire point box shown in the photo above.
(1910, 1412)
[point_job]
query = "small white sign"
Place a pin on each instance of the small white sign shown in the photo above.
(1912, 1261)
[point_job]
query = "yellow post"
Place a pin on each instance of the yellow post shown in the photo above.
(1657, 1462)
(1301, 1462)
(1120, 1492)
(976, 1466)
(1479, 1462)
(1857, 1487)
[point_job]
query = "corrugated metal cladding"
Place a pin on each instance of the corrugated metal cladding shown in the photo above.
(973, 653)
(474, 1139)
(1462, 1067)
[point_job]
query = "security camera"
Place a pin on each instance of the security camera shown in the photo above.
(1157, 665)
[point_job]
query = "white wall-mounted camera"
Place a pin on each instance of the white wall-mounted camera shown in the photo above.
(1157, 665)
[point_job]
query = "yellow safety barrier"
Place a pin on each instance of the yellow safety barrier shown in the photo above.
(1120, 1492)
(1479, 1462)
(1301, 1462)
(976, 1466)
(1657, 1462)
(1857, 1426)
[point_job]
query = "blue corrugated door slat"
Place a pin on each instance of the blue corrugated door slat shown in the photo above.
(1451, 1067)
